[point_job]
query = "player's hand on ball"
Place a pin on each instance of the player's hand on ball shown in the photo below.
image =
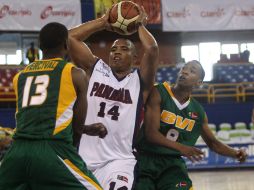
(96, 129)
(241, 155)
(143, 18)
(105, 19)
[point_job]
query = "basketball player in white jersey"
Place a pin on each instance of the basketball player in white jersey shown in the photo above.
(116, 95)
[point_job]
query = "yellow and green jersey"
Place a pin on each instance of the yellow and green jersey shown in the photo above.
(45, 96)
(178, 122)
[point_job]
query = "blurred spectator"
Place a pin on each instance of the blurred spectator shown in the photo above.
(245, 55)
(223, 58)
(32, 53)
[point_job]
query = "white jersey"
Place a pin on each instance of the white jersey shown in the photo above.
(117, 103)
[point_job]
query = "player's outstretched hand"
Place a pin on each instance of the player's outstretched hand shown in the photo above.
(143, 18)
(192, 153)
(241, 155)
(96, 129)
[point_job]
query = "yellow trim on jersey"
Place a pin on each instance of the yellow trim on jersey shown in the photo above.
(72, 166)
(15, 86)
(66, 99)
(168, 88)
(191, 188)
(62, 126)
(41, 65)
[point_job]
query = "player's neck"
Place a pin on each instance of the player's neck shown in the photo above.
(181, 94)
(53, 55)
(121, 74)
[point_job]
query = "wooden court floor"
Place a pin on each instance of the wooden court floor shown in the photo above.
(223, 180)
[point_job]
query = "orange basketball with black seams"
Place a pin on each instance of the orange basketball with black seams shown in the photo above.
(123, 17)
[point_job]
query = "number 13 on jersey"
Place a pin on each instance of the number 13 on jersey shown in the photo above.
(41, 82)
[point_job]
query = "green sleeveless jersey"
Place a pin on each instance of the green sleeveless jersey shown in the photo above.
(45, 96)
(181, 123)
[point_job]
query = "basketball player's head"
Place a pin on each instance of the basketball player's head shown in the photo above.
(53, 38)
(191, 74)
(122, 55)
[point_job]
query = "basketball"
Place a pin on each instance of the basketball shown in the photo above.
(123, 17)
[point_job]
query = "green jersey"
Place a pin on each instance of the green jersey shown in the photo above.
(45, 96)
(181, 123)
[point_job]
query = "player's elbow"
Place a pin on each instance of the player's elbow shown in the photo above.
(152, 51)
(73, 34)
(153, 48)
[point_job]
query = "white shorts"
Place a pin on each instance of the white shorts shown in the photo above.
(117, 174)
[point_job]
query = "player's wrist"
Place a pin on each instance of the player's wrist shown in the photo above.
(103, 23)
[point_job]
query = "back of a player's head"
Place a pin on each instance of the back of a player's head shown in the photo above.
(52, 36)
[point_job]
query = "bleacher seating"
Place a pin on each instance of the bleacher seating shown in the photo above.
(224, 133)
(242, 134)
(233, 73)
(6, 86)
(167, 74)
(251, 126)
(230, 83)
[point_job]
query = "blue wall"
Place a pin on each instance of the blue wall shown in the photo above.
(217, 113)
(229, 112)
(7, 117)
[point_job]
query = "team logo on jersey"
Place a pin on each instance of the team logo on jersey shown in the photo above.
(108, 92)
(181, 184)
(177, 120)
(105, 73)
(193, 115)
(122, 178)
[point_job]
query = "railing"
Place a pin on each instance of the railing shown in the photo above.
(238, 92)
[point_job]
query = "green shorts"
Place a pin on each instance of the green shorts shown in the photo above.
(161, 172)
(43, 165)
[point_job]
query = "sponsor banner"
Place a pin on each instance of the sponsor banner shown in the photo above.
(152, 7)
(31, 15)
(213, 160)
(199, 15)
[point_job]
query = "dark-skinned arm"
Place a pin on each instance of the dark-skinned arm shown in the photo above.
(152, 126)
(79, 52)
(219, 147)
(80, 82)
(80, 108)
(150, 58)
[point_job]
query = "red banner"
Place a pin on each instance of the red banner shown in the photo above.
(31, 15)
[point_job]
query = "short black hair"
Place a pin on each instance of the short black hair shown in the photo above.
(53, 35)
(202, 76)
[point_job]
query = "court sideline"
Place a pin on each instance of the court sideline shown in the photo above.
(223, 180)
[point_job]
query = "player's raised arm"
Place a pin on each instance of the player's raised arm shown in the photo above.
(218, 147)
(80, 53)
(150, 59)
